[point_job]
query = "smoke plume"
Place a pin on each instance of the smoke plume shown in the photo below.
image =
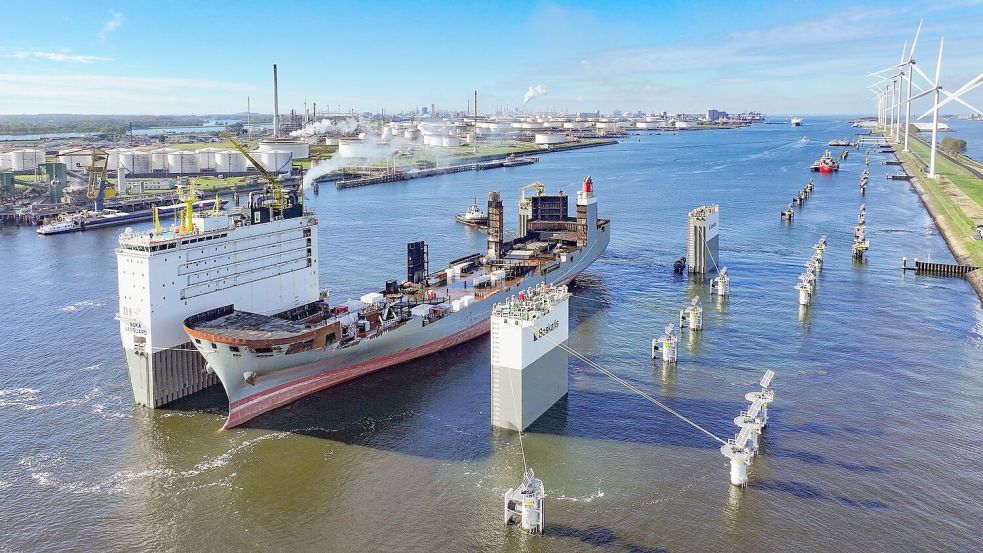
(326, 126)
(533, 92)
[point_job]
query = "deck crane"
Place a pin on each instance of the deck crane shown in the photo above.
(525, 205)
(540, 190)
(272, 180)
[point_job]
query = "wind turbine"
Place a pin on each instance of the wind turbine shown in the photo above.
(894, 103)
(950, 97)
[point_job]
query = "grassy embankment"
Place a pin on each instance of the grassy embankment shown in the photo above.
(955, 199)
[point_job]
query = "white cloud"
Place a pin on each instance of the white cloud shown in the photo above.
(113, 22)
(57, 56)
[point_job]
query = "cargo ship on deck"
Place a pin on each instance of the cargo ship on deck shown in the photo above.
(236, 295)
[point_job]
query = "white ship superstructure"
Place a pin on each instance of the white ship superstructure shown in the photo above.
(265, 360)
(261, 257)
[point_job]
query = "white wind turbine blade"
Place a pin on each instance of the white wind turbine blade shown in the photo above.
(911, 55)
(938, 71)
(954, 96)
(973, 83)
(922, 73)
(878, 73)
(888, 79)
(904, 49)
(920, 95)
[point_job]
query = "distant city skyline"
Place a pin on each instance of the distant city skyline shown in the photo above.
(207, 57)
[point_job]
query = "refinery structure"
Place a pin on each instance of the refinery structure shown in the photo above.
(44, 181)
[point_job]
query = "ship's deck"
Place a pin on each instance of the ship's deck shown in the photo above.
(229, 325)
(249, 327)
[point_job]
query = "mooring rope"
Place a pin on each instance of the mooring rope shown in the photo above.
(635, 389)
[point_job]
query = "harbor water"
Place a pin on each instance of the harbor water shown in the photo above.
(873, 442)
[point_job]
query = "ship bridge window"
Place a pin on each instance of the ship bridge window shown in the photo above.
(214, 345)
(197, 341)
(234, 348)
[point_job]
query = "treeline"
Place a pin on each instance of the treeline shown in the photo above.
(106, 124)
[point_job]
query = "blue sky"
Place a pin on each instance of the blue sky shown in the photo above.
(207, 56)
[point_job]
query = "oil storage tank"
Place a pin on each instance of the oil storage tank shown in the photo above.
(230, 162)
(275, 161)
(136, 162)
(298, 149)
(182, 163)
(158, 159)
(26, 160)
(205, 158)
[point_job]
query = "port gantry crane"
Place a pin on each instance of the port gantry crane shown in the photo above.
(99, 189)
(271, 179)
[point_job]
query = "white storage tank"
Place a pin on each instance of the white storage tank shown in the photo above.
(26, 160)
(158, 159)
(274, 161)
(230, 161)
(411, 134)
(330, 140)
(550, 138)
(575, 125)
(299, 150)
(5, 160)
(352, 148)
(205, 158)
(433, 140)
(450, 141)
(182, 163)
(135, 161)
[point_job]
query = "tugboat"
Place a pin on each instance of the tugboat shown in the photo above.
(825, 164)
(796, 121)
(474, 217)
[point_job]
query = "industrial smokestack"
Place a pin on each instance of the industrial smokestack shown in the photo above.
(276, 106)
